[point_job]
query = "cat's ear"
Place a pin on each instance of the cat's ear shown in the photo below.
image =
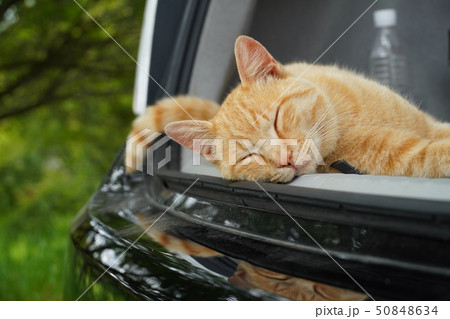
(254, 61)
(195, 135)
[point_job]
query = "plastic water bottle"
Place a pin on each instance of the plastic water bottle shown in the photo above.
(387, 61)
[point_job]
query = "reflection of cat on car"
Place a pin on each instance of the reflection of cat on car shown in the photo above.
(249, 276)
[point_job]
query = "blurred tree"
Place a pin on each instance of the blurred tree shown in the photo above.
(52, 51)
(65, 109)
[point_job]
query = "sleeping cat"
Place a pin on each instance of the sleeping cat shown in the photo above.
(338, 113)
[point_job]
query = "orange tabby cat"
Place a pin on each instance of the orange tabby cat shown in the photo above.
(343, 115)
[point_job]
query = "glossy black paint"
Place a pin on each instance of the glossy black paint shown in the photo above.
(388, 264)
(103, 236)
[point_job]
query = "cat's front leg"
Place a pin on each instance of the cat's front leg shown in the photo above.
(165, 111)
(430, 159)
(396, 152)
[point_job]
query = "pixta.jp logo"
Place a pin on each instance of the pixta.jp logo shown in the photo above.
(138, 145)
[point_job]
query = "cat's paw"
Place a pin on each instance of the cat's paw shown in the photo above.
(259, 173)
(145, 129)
(156, 117)
(283, 175)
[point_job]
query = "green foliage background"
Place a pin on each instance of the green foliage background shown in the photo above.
(65, 109)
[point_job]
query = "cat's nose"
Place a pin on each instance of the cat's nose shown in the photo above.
(288, 161)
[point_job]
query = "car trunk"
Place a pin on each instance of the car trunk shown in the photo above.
(386, 235)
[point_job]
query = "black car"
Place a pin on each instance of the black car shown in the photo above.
(177, 231)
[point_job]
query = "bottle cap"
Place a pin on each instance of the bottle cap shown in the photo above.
(385, 18)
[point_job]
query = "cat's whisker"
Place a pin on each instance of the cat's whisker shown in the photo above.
(322, 134)
(330, 133)
(323, 116)
(318, 122)
(349, 115)
(320, 140)
(325, 130)
(332, 121)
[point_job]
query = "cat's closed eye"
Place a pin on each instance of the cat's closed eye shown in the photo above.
(248, 158)
(244, 157)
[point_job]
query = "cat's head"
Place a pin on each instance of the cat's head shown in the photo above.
(262, 129)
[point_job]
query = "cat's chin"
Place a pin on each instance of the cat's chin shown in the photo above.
(308, 168)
